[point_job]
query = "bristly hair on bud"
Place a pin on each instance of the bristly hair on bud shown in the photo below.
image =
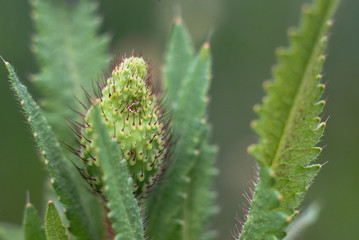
(134, 116)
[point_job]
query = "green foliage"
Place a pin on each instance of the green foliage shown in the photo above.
(289, 126)
(200, 204)
(32, 225)
(81, 206)
(55, 230)
(123, 209)
(176, 203)
(70, 55)
(135, 119)
(120, 147)
(178, 59)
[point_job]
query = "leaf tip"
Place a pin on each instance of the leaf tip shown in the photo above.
(34, 15)
(177, 20)
(306, 9)
(5, 62)
(177, 15)
(28, 198)
(280, 197)
(320, 126)
(34, 48)
(205, 51)
(206, 45)
(292, 32)
(196, 152)
(250, 149)
(289, 219)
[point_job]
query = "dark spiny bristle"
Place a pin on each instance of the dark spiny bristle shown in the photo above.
(89, 98)
(77, 112)
(81, 103)
(95, 90)
(72, 125)
(93, 158)
(78, 142)
(116, 61)
(106, 75)
(71, 149)
(73, 130)
(75, 123)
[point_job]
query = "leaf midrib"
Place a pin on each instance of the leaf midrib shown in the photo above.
(293, 108)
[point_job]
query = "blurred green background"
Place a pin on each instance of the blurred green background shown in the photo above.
(246, 34)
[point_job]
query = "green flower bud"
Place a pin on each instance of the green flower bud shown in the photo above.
(135, 119)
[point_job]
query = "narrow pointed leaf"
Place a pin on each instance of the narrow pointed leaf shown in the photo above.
(168, 197)
(82, 208)
(32, 225)
(200, 205)
(289, 126)
(69, 54)
(124, 212)
(178, 59)
(55, 230)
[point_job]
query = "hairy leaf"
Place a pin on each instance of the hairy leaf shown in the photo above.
(70, 55)
(178, 59)
(167, 202)
(289, 126)
(82, 208)
(55, 230)
(124, 213)
(200, 206)
(32, 225)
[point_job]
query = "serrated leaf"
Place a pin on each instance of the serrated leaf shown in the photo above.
(289, 126)
(55, 230)
(292, 105)
(124, 212)
(82, 208)
(10, 232)
(32, 225)
(167, 199)
(179, 55)
(69, 54)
